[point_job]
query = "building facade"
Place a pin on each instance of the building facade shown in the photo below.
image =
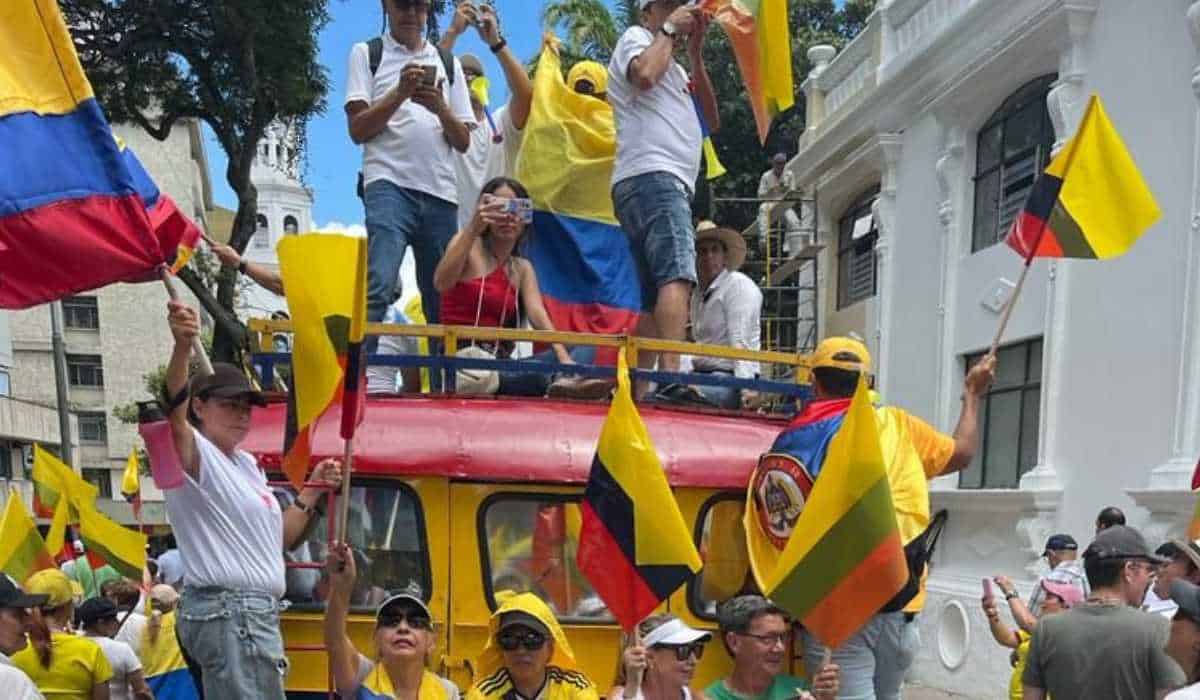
(925, 135)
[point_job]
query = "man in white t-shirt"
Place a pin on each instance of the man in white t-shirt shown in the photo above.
(775, 184)
(98, 618)
(659, 142)
(410, 113)
(495, 139)
(14, 623)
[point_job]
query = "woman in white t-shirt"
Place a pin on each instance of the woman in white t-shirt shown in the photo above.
(98, 618)
(230, 529)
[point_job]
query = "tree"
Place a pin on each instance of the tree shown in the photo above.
(591, 31)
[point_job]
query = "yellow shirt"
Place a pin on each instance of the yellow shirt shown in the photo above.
(1016, 691)
(560, 684)
(76, 664)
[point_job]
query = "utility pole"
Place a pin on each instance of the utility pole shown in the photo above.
(60, 379)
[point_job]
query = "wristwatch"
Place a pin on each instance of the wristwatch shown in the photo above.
(1010, 595)
(668, 29)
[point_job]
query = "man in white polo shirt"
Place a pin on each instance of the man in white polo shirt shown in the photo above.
(409, 107)
(659, 142)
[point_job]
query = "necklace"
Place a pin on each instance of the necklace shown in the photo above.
(1108, 601)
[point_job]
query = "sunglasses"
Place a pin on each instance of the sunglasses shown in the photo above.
(532, 641)
(415, 620)
(684, 651)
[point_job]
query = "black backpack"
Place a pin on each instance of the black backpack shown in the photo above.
(375, 57)
(918, 553)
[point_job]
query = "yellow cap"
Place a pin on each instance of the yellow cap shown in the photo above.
(593, 72)
(842, 353)
(51, 583)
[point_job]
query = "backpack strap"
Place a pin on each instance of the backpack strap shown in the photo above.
(375, 53)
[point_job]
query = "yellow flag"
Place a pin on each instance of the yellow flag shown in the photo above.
(131, 484)
(57, 537)
(122, 548)
(22, 550)
(52, 480)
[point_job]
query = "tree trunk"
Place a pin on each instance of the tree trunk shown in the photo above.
(228, 344)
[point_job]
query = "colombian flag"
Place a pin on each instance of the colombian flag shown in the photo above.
(121, 548)
(585, 269)
(325, 277)
(71, 214)
(844, 559)
(59, 492)
(162, 663)
(22, 550)
(1091, 202)
(762, 45)
(634, 546)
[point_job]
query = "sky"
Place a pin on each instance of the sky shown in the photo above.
(333, 160)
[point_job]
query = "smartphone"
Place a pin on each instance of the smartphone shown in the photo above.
(520, 206)
(430, 76)
(987, 588)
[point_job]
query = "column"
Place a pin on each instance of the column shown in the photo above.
(884, 210)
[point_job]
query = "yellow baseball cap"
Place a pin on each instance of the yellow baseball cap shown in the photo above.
(53, 584)
(842, 353)
(593, 72)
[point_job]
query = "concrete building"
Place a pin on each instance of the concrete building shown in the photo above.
(924, 137)
(114, 337)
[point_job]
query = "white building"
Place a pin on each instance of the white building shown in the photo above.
(925, 134)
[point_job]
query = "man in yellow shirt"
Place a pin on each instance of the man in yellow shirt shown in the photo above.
(874, 660)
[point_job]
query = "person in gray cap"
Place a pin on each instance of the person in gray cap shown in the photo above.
(1184, 644)
(1106, 647)
(14, 623)
(758, 636)
(1062, 556)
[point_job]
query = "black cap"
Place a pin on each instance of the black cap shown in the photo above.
(1187, 596)
(226, 382)
(1058, 543)
(1121, 542)
(94, 610)
(520, 618)
(11, 595)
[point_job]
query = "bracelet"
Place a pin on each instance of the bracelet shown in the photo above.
(242, 266)
(1010, 595)
(304, 507)
(499, 46)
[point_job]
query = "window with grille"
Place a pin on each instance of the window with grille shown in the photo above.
(93, 428)
(1012, 149)
(856, 251)
(290, 225)
(1009, 417)
(81, 313)
(85, 370)
(262, 232)
(101, 479)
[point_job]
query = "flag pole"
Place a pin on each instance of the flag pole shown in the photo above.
(197, 346)
(344, 502)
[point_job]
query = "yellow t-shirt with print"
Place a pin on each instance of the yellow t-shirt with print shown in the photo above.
(76, 664)
(561, 684)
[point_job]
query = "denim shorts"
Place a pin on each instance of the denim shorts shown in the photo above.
(234, 636)
(655, 211)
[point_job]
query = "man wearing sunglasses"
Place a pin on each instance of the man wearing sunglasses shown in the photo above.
(758, 636)
(527, 657)
(1106, 647)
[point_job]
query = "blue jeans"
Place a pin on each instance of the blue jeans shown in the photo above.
(722, 396)
(234, 637)
(655, 211)
(873, 662)
(513, 383)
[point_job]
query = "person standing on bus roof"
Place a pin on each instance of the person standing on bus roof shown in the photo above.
(404, 638)
(527, 656)
(231, 531)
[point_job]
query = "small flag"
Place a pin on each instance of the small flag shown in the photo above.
(634, 546)
(121, 548)
(713, 166)
(324, 276)
(1091, 201)
(131, 483)
(844, 560)
(52, 480)
(22, 550)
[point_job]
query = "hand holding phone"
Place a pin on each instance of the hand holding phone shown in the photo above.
(430, 75)
(987, 589)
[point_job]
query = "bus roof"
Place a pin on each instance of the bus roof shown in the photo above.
(522, 440)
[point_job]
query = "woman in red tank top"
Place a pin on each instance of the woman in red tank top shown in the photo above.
(483, 282)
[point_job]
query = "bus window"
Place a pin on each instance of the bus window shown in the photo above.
(387, 533)
(721, 539)
(530, 542)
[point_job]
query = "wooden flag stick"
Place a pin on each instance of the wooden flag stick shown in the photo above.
(1008, 306)
(197, 345)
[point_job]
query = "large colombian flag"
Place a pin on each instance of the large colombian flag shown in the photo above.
(585, 269)
(844, 560)
(70, 215)
(22, 550)
(762, 45)
(634, 546)
(325, 279)
(1091, 201)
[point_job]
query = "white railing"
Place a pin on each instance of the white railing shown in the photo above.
(914, 22)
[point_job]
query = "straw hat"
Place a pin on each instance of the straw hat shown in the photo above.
(735, 245)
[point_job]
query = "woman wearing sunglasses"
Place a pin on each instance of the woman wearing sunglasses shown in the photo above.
(404, 637)
(666, 660)
(527, 657)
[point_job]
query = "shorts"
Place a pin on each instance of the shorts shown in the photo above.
(655, 211)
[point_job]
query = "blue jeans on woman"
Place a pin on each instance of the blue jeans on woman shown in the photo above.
(234, 636)
(517, 383)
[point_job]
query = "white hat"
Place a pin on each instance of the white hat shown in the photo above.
(646, 3)
(674, 632)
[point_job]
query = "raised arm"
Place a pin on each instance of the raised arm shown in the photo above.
(264, 277)
(185, 326)
(300, 515)
(453, 264)
(343, 658)
(519, 85)
(700, 81)
(966, 433)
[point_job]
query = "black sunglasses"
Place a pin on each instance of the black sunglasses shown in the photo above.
(415, 619)
(683, 651)
(532, 641)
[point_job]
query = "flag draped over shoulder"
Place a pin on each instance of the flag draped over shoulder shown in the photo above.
(72, 215)
(22, 550)
(1091, 201)
(324, 277)
(585, 269)
(844, 559)
(634, 546)
(758, 32)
